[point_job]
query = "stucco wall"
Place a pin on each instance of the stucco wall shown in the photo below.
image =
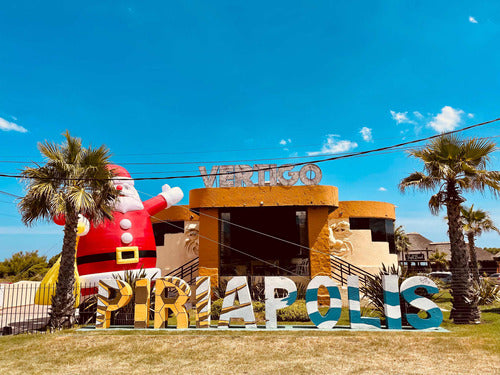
(175, 252)
(365, 253)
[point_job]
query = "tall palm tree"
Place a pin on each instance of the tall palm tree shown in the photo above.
(401, 241)
(475, 222)
(74, 180)
(452, 167)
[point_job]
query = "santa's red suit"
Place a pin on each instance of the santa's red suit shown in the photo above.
(127, 242)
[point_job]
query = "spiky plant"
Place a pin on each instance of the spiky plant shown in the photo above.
(452, 167)
(73, 180)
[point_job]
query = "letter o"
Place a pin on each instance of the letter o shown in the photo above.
(310, 181)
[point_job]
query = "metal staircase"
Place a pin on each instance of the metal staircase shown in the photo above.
(188, 271)
(340, 269)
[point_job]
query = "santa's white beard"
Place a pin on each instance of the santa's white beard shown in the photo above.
(127, 203)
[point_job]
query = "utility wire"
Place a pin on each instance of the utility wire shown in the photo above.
(249, 229)
(238, 251)
(9, 194)
(317, 161)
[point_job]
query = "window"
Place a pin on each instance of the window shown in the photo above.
(260, 251)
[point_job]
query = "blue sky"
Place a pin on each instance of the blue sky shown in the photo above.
(197, 81)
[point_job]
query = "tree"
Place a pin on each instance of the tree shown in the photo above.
(452, 167)
(475, 222)
(401, 241)
(24, 266)
(74, 180)
(439, 259)
(492, 250)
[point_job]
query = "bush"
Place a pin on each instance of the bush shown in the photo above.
(297, 312)
(486, 292)
(24, 266)
(216, 308)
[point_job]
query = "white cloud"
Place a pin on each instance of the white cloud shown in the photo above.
(8, 126)
(418, 115)
(334, 146)
(382, 188)
(282, 142)
(366, 133)
(285, 142)
(447, 120)
(401, 117)
(472, 19)
(470, 115)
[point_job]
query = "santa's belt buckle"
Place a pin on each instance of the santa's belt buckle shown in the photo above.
(127, 255)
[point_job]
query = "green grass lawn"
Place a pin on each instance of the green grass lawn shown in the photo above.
(465, 349)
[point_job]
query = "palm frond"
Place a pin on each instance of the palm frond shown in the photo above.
(418, 180)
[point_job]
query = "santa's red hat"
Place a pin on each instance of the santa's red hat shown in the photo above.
(118, 171)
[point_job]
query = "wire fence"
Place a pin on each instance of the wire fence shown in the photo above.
(26, 307)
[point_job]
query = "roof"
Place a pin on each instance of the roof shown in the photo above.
(418, 242)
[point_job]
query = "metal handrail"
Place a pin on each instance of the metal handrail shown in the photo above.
(187, 269)
(345, 269)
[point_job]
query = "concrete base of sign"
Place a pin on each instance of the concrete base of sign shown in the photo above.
(262, 328)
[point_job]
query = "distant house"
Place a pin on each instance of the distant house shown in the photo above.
(417, 257)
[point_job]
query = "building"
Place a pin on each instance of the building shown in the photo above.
(417, 257)
(268, 229)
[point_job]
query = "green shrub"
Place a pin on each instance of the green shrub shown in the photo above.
(297, 312)
(259, 306)
(24, 266)
(486, 292)
(216, 308)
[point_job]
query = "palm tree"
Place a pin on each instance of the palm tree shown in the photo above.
(74, 180)
(452, 167)
(401, 241)
(475, 222)
(439, 259)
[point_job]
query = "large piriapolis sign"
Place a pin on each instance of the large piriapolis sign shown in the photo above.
(267, 174)
(114, 294)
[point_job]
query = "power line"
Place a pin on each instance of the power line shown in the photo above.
(317, 161)
(238, 251)
(247, 228)
(9, 194)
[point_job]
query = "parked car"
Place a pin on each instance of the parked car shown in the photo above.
(443, 276)
(495, 278)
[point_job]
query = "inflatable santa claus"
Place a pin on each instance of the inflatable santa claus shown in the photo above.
(127, 242)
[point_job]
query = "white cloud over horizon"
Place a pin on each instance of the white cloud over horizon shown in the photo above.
(10, 126)
(382, 188)
(447, 120)
(472, 20)
(401, 117)
(366, 133)
(334, 146)
(285, 142)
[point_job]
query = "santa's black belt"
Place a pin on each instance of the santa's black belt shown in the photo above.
(94, 258)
